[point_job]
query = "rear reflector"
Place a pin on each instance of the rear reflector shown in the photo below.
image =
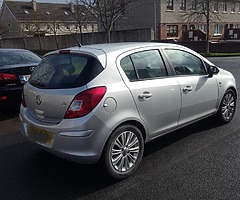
(3, 98)
(85, 102)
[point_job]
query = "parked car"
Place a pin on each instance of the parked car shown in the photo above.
(16, 66)
(103, 102)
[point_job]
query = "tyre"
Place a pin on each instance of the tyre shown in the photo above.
(227, 107)
(123, 151)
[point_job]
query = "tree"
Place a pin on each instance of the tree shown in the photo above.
(204, 11)
(107, 12)
(35, 28)
(79, 16)
(53, 24)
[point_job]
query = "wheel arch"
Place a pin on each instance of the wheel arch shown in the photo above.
(130, 122)
(135, 123)
(234, 90)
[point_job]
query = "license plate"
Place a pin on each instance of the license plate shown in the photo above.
(40, 136)
(24, 78)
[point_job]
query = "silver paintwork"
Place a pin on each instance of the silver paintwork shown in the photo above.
(156, 106)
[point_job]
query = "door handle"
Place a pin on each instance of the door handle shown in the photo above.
(145, 95)
(187, 89)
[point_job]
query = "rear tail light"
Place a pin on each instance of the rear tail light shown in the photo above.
(85, 102)
(7, 77)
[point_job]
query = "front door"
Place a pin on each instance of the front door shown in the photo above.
(199, 92)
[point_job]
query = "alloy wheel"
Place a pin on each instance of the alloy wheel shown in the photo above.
(125, 151)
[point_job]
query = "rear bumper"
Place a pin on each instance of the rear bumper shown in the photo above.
(82, 146)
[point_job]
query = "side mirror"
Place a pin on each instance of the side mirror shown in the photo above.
(212, 70)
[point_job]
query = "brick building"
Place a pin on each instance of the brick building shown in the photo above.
(171, 19)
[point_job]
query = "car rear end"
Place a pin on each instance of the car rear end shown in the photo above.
(16, 66)
(68, 104)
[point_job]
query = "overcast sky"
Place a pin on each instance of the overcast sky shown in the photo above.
(47, 1)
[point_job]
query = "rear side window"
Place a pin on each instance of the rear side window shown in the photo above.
(144, 65)
(65, 71)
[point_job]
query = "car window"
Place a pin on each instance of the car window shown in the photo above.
(185, 63)
(65, 71)
(143, 65)
(128, 68)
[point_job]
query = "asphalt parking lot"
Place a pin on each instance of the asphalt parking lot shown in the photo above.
(201, 161)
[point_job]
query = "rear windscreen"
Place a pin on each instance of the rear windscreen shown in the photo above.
(65, 71)
(18, 57)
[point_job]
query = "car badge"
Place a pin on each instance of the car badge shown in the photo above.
(38, 99)
(32, 69)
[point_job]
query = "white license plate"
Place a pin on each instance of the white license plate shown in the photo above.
(24, 78)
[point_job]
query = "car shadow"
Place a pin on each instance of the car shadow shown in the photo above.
(175, 136)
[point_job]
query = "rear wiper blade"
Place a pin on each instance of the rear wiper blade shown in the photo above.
(37, 83)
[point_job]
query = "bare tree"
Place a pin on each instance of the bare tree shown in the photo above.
(53, 25)
(107, 12)
(78, 16)
(35, 28)
(202, 11)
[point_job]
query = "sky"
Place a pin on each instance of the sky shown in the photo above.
(46, 1)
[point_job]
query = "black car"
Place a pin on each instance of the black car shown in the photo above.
(16, 66)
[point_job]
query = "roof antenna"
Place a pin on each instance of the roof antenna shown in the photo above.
(74, 37)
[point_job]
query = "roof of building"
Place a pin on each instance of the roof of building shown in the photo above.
(24, 11)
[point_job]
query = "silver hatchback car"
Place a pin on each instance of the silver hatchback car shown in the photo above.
(104, 101)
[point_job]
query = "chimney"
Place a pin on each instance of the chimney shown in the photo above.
(72, 7)
(34, 5)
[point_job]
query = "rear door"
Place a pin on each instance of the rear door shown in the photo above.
(199, 92)
(156, 95)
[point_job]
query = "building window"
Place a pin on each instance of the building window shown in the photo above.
(215, 7)
(217, 29)
(182, 4)
(224, 7)
(204, 6)
(170, 4)
(202, 27)
(236, 26)
(194, 5)
(184, 28)
(172, 31)
(233, 8)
